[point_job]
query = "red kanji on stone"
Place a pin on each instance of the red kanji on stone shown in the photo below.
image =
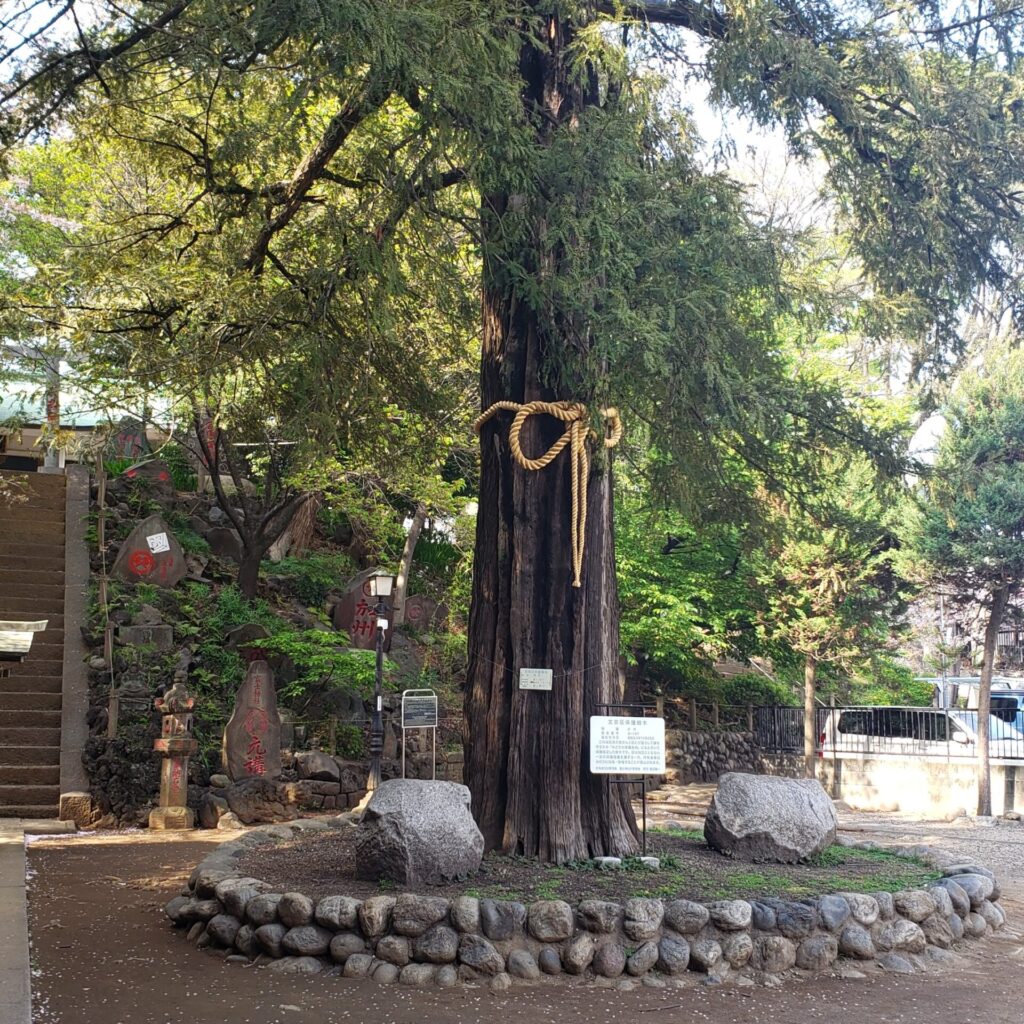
(256, 763)
(141, 563)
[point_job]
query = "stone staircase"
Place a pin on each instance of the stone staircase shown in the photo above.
(32, 564)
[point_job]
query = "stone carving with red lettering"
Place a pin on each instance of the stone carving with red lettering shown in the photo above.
(151, 554)
(424, 613)
(252, 739)
(355, 614)
(127, 440)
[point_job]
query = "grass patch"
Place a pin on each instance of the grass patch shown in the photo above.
(689, 870)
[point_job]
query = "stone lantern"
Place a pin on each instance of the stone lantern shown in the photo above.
(176, 745)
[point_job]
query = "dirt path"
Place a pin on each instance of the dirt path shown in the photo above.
(103, 954)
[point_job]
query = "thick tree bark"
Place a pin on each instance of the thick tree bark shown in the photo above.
(402, 581)
(810, 715)
(249, 573)
(995, 619)
(527, 754)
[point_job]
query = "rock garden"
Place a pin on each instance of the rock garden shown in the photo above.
(403, 894)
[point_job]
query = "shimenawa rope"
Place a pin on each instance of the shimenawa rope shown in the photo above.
(577, 427)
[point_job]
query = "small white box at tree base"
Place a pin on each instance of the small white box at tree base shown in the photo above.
(627, 746)
(535, 678)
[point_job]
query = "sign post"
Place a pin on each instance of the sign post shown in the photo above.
(535, 678)
(419, 711)
(626, 744)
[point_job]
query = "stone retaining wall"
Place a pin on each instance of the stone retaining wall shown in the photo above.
(429, 940)
(705, 756)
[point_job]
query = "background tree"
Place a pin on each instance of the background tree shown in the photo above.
(969, 528)
(831, 590)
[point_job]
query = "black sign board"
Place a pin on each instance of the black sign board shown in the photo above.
(419, 710)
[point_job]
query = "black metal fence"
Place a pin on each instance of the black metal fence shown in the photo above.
(906, 731)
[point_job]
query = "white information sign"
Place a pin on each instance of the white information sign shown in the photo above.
(535, 678)
(158, 542)
(627, 746)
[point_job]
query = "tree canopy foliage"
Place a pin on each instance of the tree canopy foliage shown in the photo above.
(293, 198)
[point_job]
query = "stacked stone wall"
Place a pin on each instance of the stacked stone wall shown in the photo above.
(706, 756)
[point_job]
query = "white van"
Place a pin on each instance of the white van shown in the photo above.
(915, 731)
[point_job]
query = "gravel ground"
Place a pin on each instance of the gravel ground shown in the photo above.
(998, 845)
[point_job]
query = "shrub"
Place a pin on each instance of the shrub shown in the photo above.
(886, 682)
(755, 688)
(312, 577)
(321, 659)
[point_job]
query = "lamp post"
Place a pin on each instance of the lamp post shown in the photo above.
(381, 584)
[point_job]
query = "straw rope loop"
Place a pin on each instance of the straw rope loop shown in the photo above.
(577, 429)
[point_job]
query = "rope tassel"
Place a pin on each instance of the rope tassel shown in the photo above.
(577, 429)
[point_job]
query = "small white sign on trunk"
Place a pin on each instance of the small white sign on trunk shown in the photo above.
(627, 746)
(535, 678)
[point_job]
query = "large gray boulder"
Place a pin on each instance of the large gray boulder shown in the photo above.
(416, 832)
(767, 818)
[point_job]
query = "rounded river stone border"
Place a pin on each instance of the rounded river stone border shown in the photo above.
(429, 940)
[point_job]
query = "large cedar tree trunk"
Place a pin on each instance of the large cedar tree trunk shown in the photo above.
(527, 755)
(995, 618)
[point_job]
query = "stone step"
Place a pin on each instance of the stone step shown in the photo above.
(49, 649)
(45, 660)
(38, 607)
(54, 632)
(50, 551)
(27, 700)
(33, 586)
(45, 755)
(31, 795)
(37, 566)
(38, 482)
(51, 505)
(29, 736)
(30, 810)
(43, 502)
(37, 774)
(30, 500)
(33, 536)
(29, 719)
(36, 511)
(40, 662)
(19, 682)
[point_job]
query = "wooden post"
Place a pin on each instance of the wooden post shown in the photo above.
(693, 714)
(101, 506)
(113, 711)
(659, 707)
(108, 645)
(714, 714)
(750, 718)
(112, 701)
(333, 735)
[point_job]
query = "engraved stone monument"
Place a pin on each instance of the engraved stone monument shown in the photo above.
(151, 554)
(252, 738)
